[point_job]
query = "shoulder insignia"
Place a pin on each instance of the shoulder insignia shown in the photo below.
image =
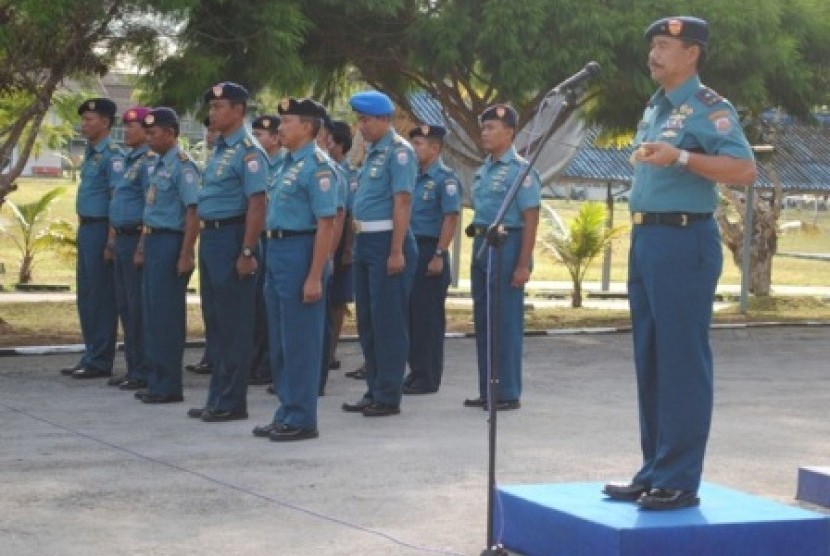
(247, 142)
(319, 156)
(114, 147)
(707, 96)
(397, 139)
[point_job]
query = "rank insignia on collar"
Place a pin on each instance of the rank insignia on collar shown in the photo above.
(217, 90)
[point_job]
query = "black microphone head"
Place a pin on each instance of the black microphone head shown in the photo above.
(592, 68)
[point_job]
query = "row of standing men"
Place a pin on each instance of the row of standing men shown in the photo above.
(287, 226)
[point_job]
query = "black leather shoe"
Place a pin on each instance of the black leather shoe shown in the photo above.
(506, 405)
(358, 374)
(625, 492)
(259, 380)
(133, 384)
(287, 433)
(203, 369)
(171, 398)
(475, 402)
(264, 431)
(380, 410)
(356, 407)
(117, 380)
(140, 394)
(658, 499)
(67, 371)
(334, 365)
(89, 372)
(270, 389)
(415, 390)
(219, 416)
(196, 412)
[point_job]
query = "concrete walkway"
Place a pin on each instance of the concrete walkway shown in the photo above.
(87, 470)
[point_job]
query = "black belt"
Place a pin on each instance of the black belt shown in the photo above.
(127, 230)
(426, 238)
(216, 224)
(151, 230)
(92, 219)
(680, 219)
(282, 234)
(474, 230)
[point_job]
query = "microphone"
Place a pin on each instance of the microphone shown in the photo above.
(590, 71)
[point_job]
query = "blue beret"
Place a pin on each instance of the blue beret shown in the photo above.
(227, 91)
(268, 123)
(426, 130)
(680, 27)
(301, 107)
(100, 105)
(372, 103)
(502, 112)
(161, 116)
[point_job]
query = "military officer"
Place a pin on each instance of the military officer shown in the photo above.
(490, 185)
(102, 169)
(436, 202)
(166, 253)
(689, 140)
(385, 254)
(232, 209)
(301, 209)
(126, 215)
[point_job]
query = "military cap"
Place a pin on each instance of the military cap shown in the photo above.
(341, 133)
(100, 105)
(161, 116)
(135, 114)
(227, 91)
(502, 112)
(372, 103)
(426, 130)
(680, 27)
(268, 123)
(301, 107)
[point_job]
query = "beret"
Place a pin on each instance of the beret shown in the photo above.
(503, 112)
(100, 105)
(372, 103)
(135, 114)
(226, 90)
(301, 107)
(268, 123)
(161, 116)
(426, 130)
(680, 27)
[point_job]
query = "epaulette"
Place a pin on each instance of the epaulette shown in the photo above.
(397, 139)
(247, 142)
(114, 147)
(320, 156)
(707, 96)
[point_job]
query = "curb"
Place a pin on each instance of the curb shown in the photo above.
(79, 348)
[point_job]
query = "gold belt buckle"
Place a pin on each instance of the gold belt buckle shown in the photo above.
(637, 218)
(684, 220)
(357, 226)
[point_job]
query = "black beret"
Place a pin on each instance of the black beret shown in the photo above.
(341, 133)
(426, 130)
(268, 123)
(100, 105)
(226, 90)
(503, 112)
(301, 107)
(161, 116)
(680, 27)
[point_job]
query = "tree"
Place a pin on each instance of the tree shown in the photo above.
(586, 237)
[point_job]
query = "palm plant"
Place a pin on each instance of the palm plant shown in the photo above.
(578, 245)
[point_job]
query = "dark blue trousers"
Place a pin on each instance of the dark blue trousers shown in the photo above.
(511, 322)
(427, 319)
(165, 315)
(228, 302)
(128, 287)
(96, 297)
(295, 331)
(382, 306)
(327, 330)
(260, 367)
(672, 277)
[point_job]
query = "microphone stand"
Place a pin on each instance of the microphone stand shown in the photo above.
(494, 242)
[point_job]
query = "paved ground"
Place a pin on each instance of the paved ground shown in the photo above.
(87, 470)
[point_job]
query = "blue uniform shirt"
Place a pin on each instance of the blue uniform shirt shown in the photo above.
(305, 190)
(437, 192)
(491, 183)
(173, 185)
(390, 168)
(127, 205)
(102, 169)
(351, 173)
(236, 171)
(694, 118)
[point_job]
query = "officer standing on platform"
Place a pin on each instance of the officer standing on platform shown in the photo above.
(436, 203)
(689, 140)
(232, 208)
(490, 186)
(126, 215)
(102, 169)
(301, 209)
(166, 253)
(385, 254)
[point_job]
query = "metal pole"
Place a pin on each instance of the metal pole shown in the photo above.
(749, 230)
(606, 257)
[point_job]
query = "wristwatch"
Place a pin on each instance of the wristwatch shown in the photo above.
(438, 253)
(682, 159)
(247, 252)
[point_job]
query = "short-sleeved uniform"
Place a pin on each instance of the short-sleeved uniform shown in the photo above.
(673, 273)
(172, 186)
(382, 301)
(490, 186)
(103, 167)
(236, 171)
(437, 193)
(305, 190)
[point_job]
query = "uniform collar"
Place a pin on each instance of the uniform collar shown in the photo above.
(101, 145)
(434, 169)
(138, 151)
(384, 141)
(680, 94)
(234, 137)
(170, 156)
(302, 152)
(276, 157)
(508, 156)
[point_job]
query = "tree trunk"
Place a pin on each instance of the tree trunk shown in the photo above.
(576, 295)
(26, 266)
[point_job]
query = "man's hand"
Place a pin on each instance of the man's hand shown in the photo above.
(246, 267)
(185, 265)
(435, 266)
(138, 258)
(395, 264)
(520, 276)
(657, 154)
(312, 290)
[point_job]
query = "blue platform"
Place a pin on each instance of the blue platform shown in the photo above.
(575, 519)
(814, 485)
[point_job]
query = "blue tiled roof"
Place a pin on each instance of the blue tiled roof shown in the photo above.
(601, 164)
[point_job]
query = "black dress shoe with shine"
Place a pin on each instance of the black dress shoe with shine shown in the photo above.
(117, 380)
(410, 390)
(287, 433)
(140, 394)
(506, 405)
(133, 384)
(659, 499)
(264, 431)
(90, 372)
(357, 407)
(625, 492)
(475, 402)
(67, 371)
(211, 415)
(170, 398)
(203, 369)
(196, 412)
(380, 410)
